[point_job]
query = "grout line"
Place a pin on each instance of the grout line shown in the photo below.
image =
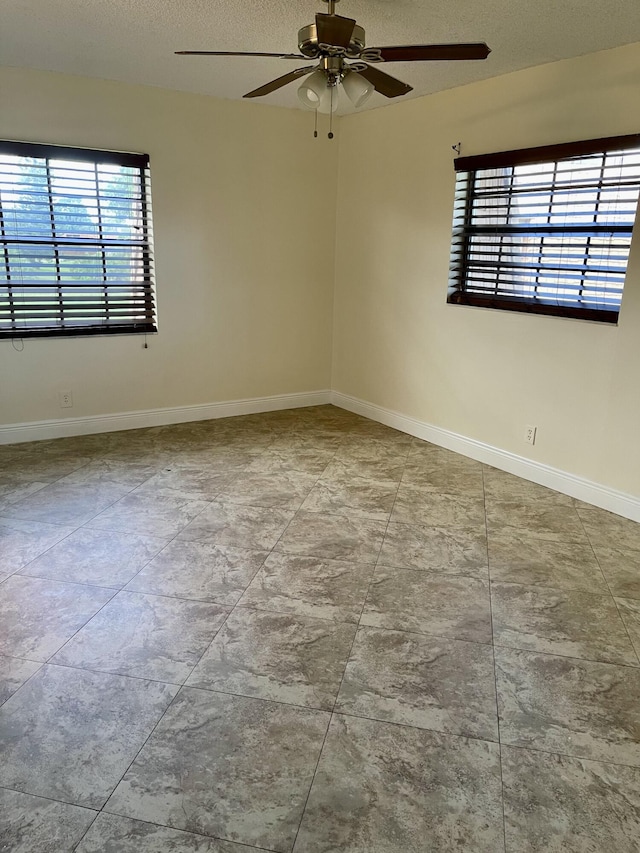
(495, 674)
(114, 673)
(347, 658)
(85, 833)
(26, 681)
(237, 603)
(617, 606)
(577, 758)
(239, 844)
(49, 799)
(313, 779)
(463, 736)
(84, 624)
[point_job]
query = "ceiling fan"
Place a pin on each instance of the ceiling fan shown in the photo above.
(338, 44)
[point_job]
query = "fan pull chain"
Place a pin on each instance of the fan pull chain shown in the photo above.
(315, 127)
(330, 134)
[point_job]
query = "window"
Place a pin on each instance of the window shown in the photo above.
(546, 230)
(75, 242)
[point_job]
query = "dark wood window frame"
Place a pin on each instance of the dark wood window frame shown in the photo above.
(490, 268)
(76, 242)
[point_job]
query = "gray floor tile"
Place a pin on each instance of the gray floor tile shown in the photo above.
(518, 557)
(562, 622)
(630, 612)
(432, 509)
(541, 520)
(34, 825)
(96, 557)
(366, 432)
(388, 788)
(238, 525)
(34, 462)
(23, 541)
(70, 735)
(148, 514)
(284, 489)
(310, 586)
(555, 804)
(336, 537)
(621, 568)
(38, 615)
(113, 834)
(448, 551)
(146, 636)
(130, 474)
(358, 498)
(501, 486)
(410, 763)
(427, 603)
(13, 674)
(16, 484)
(438, 684)
(366, 449)
(189, 482)
(13, 489)
(462, 480)
(262, 755)
(277, 656)
(67, 503)
(309, 461)
(433, 455)
(200, 571)
(576, 707)
(345, 470)
(216, 459)
(607, 530)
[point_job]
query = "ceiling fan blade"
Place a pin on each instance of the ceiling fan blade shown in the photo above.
(334, 30)
(384, 83)
(237, 53)
(280, 81)
(428, 52)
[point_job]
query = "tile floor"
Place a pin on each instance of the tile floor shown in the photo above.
(304, 631)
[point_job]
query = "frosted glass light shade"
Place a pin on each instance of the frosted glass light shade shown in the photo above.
(357, 88)
(329, 100)
(312, 89)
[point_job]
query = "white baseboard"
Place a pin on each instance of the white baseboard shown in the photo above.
(622, 504)
(65, 427)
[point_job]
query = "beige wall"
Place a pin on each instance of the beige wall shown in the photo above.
(244, 207)
(482, 373)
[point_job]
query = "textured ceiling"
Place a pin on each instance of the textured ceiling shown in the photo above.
(134, 40)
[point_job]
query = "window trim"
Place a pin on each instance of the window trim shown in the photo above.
(146, 286)
(462, 231)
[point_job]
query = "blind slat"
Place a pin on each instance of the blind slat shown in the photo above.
(531, 224)
(75, 240)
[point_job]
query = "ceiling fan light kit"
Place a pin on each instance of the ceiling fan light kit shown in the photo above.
(320, 92)
(344, 60)
(357, 89)
(312, 90)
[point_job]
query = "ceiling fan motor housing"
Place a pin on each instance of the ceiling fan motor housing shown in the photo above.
(309, 46)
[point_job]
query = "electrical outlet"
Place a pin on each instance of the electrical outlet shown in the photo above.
(66, 400)
(530, 434)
